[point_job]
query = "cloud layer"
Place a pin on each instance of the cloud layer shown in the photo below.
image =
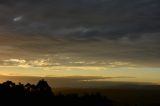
(106, 33)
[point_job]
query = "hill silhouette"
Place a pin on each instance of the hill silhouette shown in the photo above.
(41, 94)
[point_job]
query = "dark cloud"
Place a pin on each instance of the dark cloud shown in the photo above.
(70, 81)
(78, 82)
(105, 18)
(101, 30)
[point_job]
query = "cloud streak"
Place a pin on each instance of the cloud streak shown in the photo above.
(70, 81)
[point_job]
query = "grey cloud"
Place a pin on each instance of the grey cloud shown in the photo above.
(120, 17)
(87, 30)
(143, 52)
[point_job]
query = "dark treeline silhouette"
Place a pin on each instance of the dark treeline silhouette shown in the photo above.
(41, 94)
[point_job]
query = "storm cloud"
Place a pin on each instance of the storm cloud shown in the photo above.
(81, 33)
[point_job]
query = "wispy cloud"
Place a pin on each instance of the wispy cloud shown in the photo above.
(15, 61)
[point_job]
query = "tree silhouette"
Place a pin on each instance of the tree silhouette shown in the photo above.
(41, 95)
(43, 88)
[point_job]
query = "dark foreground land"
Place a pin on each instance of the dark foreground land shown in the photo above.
(121, 97)
(41, 94)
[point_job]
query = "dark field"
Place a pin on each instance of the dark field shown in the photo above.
(133, 97)
(41, 94)
(124, 94)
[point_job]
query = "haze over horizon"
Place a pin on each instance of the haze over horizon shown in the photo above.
(112, 40)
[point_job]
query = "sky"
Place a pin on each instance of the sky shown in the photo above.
(119, 39)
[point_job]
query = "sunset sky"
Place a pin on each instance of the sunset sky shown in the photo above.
(114, 40)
